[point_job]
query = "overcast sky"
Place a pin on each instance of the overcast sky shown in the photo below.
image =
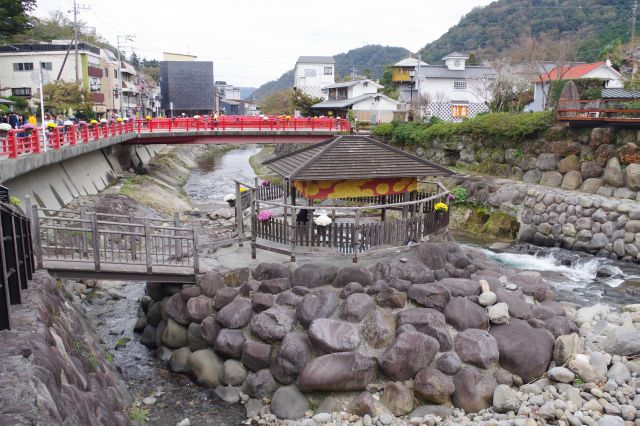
(254, 41)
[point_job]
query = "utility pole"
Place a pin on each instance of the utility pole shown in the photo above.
(634, 12)
(126, 38)
(418, 88)
(353, 73)
(76, 9)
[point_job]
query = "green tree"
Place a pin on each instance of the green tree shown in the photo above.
(390, 88)
(134, 60)
(64, 98)
(14, 18)
(21, 104)
(278, 103)
(304, 102)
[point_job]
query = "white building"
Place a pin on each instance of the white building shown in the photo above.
(611, 78)
(312, 73)
(455, 90)
(361, 97)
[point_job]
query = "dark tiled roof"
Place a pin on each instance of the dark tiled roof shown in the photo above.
(620, 94)
(441, 71)
(316, 60)
(352, 157)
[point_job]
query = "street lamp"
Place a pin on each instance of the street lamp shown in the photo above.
(115, 91)
(412, 75)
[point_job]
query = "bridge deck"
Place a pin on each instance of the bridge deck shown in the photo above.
(86, 270)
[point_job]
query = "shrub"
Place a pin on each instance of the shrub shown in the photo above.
(14, 201)
(384, 130)
(460, 193)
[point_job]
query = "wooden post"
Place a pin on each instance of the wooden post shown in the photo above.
(83, 236)
(196, 260)
(176, 233)
(253, 224)
(35, 222)
(133, 229)
(310, 233)
(96, 241)
(405, 198)
(294, 233)
(5, 296)
(356, 236)
(239, 218)
(383, 214)
(147, 244)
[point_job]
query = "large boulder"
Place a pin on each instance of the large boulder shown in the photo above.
(327, 336)
(547, 161)
(274, 285)
(354, 274)
(623, 341)
(449, 363)
(194, 337)
(379, 329)
(409, 353)
(435, 295)
(291, 357)
(256, 355)
(433, 255)
(518, 307)
(236, 314)
(268, 271)
(461, 286)
(524, 350)
(179, 360)
(260, 384)
(553, 179)
(229, 343)
(632, 173)
(473, 389)
(198, 308)
(568, 164)
(391, 298)
(462, 313)
(613, 175)
(206, 367)
(312, 275)
(210, 282)
(477, 347)
(224, 296)
(289, 403)
(321, 303)
(338, 372)
(273, 324)
(176, 309)
(590, 170)
(356, 307)
(430, 322)
(363, 405)
(174, 335)
(413, 272)
(433, 386)
(397, 398)
(572, 180)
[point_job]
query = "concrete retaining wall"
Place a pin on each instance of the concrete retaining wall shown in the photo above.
(57, 184)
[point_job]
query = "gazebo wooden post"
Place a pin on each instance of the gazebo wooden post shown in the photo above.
(310, 204)
(254, 220)
(356, 236)
(294, 234)
(383, 214)
(405, 198)
(239, 218)
(285, 209)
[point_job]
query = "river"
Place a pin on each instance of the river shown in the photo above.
(576, 277)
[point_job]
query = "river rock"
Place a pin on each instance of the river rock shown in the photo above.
(224, 296)
(613, 175)
(432, 255)
(632, 173)
(227, 394)
(256, 355)
(289, 403)
(473, 389)
(400, 284)
(565, 347)
(581, 366)
(176, 309)
(498, 313)
(289, 298)
(321, 303)
(434, 296)
(262, 301)
(592, 185)
(206, 367)
(477, 347)
(462, 313)
(194, 337)
(198, 308)
(590, 169)
(179, 361)
(461, 286)
(356, 307)
(338, 372)
(505, 399)
(233, 373)
(547, 161)
(561, 375)
(209, 329)
(363, 405)
(391, 298)
(432, 385)
(430, 322)
(532, 176)
(268, 271)
(327, 336)
(229, 343)
(487, 298)
(449, 363)
(623, 341)
(274, 286)
(379, 329)
(210, 282)
(236, 314)
(560, 326)
(353, 274)
(553, 179)
(397, 398)
(260, 384)
(413, 272)
(572, 180)
(273, 324)
(569, 163)
(619, 373)
(291, 357)
(313, 275)
(174, 335)
(351, 288)
(409, 353)
(518, 334)
(518, 307)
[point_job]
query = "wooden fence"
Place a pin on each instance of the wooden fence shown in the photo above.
(16, 259)
(95, 240)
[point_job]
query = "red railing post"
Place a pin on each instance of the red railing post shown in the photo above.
(56, 139)
(35, 141)
(12, 142)
(72, 129)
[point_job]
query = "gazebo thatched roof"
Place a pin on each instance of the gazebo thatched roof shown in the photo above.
(352, 157)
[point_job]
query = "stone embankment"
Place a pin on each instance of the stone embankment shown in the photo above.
(440, 336)
(572, 220)
(52, 368)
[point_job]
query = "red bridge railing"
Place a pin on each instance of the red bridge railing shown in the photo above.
(18, 142)
(604, 110)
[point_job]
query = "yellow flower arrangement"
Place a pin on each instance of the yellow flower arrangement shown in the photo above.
(441, 207)
(243, 190)
(51, 125)
(93, 122)
(148, 117)
(119, 120)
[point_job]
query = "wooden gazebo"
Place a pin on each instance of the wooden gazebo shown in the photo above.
(347, 179)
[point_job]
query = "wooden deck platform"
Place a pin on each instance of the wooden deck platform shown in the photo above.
(130, 272)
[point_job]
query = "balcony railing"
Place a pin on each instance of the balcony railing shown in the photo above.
(401, 75)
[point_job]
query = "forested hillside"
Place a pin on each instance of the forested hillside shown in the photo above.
(367, 60)
(501, 27)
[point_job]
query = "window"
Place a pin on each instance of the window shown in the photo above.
(23, 66)
(115, 73)
(328, 70)
(459, 111)
(106, 72)
(309, 73)
(93, 64)
(94, 84)
(460, 85)
(46, 66)
(21, 91)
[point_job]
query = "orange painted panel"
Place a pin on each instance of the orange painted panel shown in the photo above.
(323, 189)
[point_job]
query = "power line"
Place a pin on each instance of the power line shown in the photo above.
(76, 10)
